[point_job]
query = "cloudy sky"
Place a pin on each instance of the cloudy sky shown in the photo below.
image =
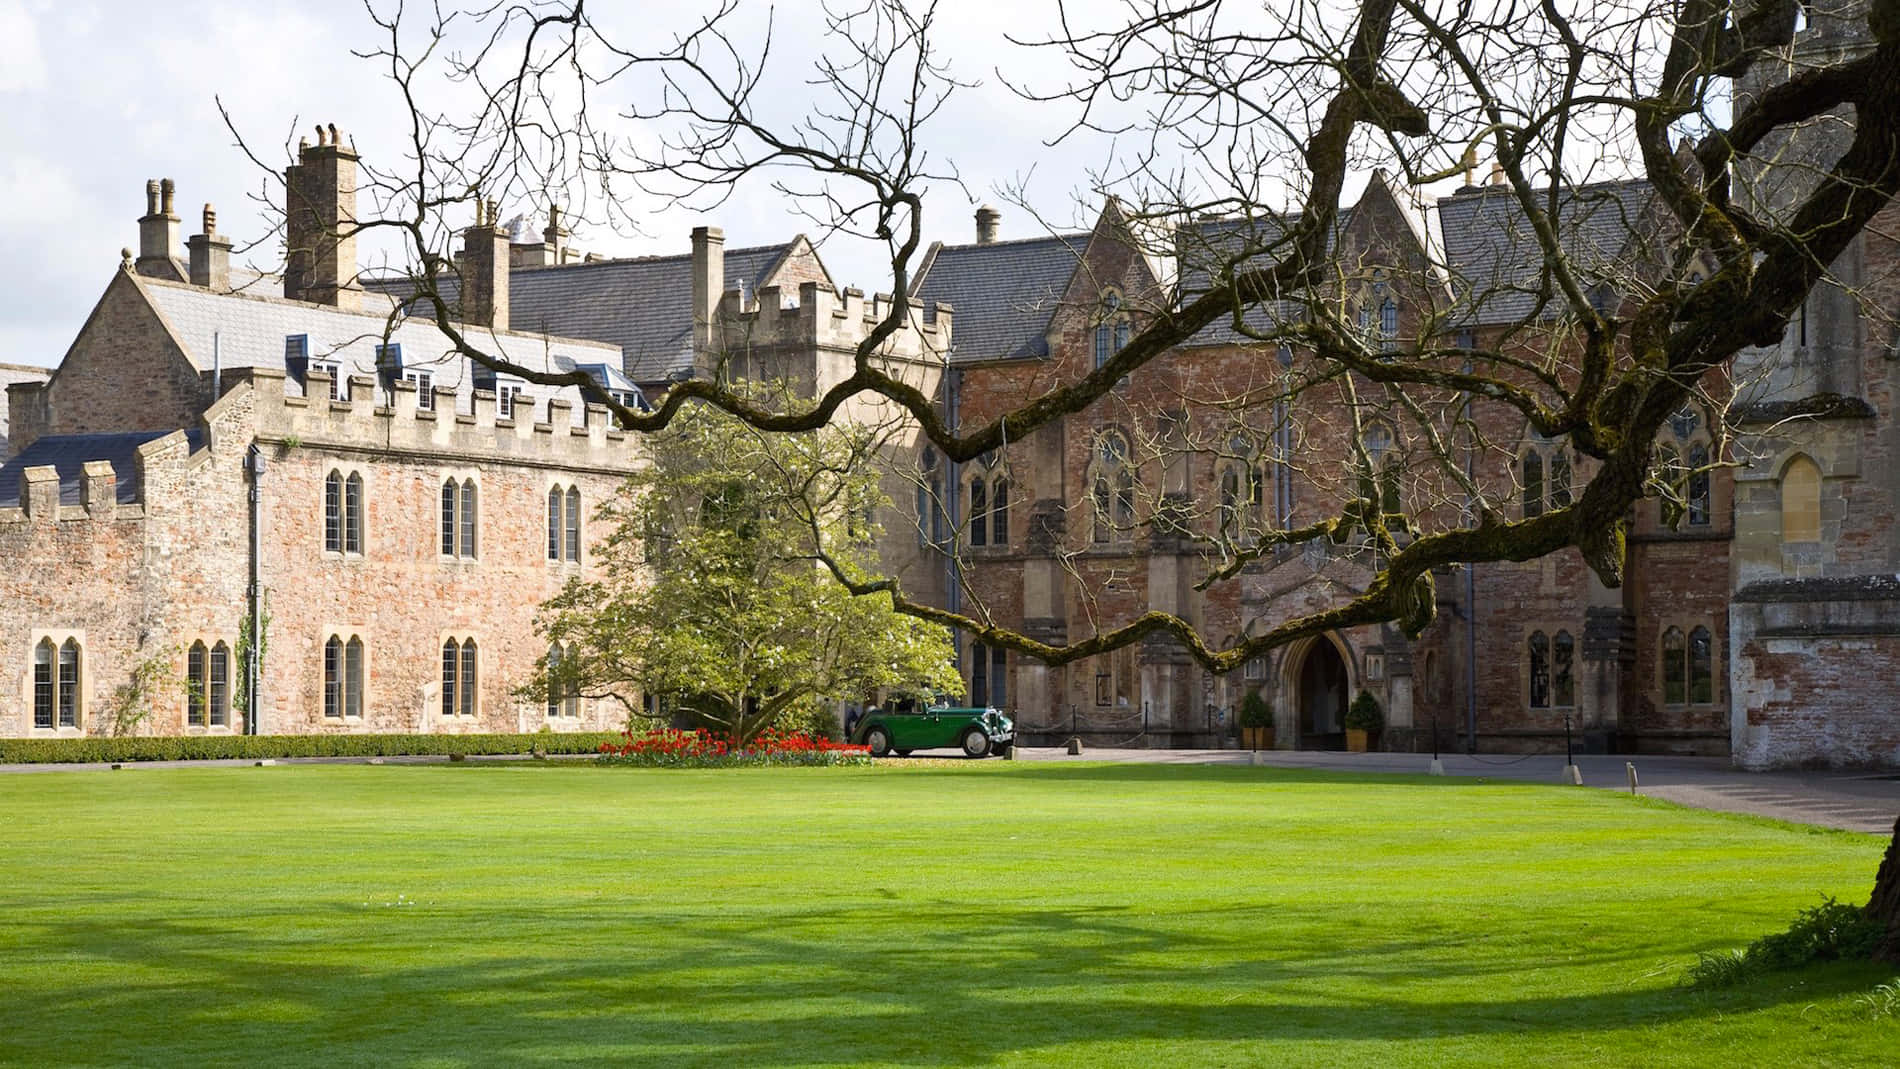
(96, 97)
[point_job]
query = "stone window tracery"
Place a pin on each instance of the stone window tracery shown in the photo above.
(459, 677)
(343, 677)
(208, 685)
(1544, 475)
(459, 514)
(564, 700)
(343, 512)
(1380, 469)
(564, 523)
(1112, 489)
(1112, 328)
(1685, 467)
(930, 513)
(1688, 666)
(57, 674)
(1552, 670)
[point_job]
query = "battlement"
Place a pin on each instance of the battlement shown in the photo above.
(822, 319)
(366, 421)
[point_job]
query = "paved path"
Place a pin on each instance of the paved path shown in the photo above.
(1854, 801)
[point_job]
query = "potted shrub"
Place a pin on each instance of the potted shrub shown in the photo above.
(1256, 721)
(1364, 719)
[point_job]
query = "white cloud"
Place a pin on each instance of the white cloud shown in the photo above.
(25, 68)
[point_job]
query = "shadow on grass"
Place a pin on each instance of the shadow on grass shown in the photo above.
(377, 984)
(1136, 772)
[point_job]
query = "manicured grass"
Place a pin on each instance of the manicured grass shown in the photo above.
(982, 914)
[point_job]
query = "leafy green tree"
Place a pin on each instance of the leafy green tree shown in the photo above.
(709, 595)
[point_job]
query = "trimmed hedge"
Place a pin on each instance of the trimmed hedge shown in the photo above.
(212, 747)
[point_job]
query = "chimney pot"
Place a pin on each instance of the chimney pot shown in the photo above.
(158, 233)
(210, 255)
(987, 219)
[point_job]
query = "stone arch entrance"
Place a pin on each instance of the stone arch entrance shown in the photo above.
(1319, 681)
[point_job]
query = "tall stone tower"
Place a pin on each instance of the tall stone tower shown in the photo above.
(1816, 605)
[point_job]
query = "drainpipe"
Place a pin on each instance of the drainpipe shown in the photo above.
(1471, 599)
(254, 464)
(953, 490)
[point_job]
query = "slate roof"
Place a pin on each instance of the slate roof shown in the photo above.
(68, 454)
(1497, 266)
(642, 305)
(1207, 243)
(247, 330)
(1003, 293)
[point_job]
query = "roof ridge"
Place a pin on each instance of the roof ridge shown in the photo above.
(606, 261)
(1480, 191)
(1082, 235)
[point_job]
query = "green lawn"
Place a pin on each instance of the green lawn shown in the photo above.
(985, 914)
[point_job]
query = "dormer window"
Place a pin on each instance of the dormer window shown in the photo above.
(339, 386)
(424, 382)
(389, 363)
(297, 357)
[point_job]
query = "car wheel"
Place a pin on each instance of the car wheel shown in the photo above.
(1002, 749)
(879, 740)
(975, 743)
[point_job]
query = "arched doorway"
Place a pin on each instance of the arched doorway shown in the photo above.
(1319, 688)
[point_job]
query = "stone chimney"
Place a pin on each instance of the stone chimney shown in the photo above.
(555, 236)
(986, 219)
(709, 284)
(210, 256)
(158, 233)
(484, 266)
(320, 223)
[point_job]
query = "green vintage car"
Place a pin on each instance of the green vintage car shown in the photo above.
(978, 732)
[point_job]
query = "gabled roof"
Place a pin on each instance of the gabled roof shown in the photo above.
(642, 305)
(1003, 293)
(1497, 266)
(1251, 242)
(250, 331)
(68, 454)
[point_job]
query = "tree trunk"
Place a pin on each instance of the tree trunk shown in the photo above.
(1885, 903)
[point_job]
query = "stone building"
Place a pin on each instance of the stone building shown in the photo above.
(1728, 636)
(1757, 605)
(1814, 619)
(204, 456)
(393, 512)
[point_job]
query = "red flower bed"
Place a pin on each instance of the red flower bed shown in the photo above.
(669, 748)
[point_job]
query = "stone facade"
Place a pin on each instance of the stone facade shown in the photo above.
(1725, 637)
(403, 499)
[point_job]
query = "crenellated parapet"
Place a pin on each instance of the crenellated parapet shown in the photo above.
(390, 419)
(823, 319)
